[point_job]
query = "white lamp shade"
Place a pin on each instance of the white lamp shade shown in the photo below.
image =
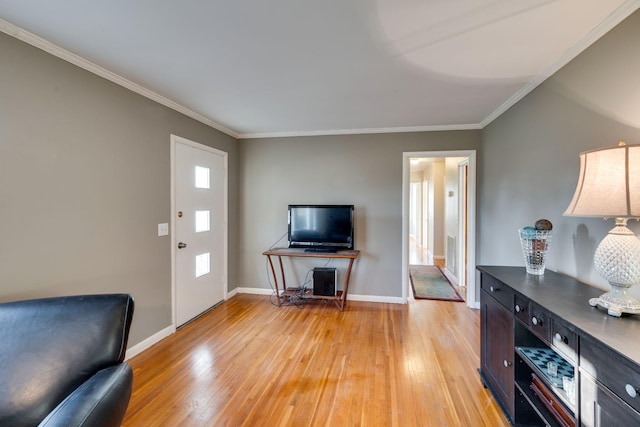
(609, 183)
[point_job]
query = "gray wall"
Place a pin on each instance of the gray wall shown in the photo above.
(452, 218)
(84, 181)
(528, 166)
(85, 175)
(364, 170)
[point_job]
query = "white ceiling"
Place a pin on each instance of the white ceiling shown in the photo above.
(296, 67)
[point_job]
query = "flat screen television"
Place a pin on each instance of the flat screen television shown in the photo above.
(322, 228)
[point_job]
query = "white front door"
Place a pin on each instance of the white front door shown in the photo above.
(199, 204)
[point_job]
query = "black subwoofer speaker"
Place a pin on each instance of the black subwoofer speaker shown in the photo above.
(324, 281)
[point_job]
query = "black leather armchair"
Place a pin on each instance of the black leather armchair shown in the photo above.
(62, 361)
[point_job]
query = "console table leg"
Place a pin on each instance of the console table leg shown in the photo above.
(284, 281)
(343, 300)
(275, 279)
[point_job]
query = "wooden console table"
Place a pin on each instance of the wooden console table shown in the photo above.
(341, 296)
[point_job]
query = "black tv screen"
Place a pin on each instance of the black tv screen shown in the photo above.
(321, 227)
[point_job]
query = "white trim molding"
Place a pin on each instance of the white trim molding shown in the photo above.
(36, 41)
(604, 27)
(626, 9)
(255, 291)
(350, 297)
(148, 342)
(471, 225)
(405, 129)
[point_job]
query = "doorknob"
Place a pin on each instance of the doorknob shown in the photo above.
(182, 245)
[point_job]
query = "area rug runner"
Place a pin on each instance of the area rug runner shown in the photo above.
(428, 282)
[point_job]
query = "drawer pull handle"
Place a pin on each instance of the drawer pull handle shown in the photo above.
(506, 363)
(536, 321)
(631, 390)
(561, 338)
(518, 308)
(492, 289)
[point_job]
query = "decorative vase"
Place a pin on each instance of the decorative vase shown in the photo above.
(535, 246)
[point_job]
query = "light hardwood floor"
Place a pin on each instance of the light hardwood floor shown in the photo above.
(250, 363)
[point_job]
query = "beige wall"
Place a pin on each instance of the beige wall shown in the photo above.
(364, 170)
(84, 181)
(452, 220)
(528, 166)
(437, 193)
(85, 177)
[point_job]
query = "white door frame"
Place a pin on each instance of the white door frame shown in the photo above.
(463, 276)
(471, 226)
(175, 139)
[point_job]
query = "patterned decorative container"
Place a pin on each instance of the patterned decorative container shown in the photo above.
(535, 246)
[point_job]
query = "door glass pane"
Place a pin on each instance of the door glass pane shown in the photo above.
(202, 264)
(202, 177)
(202, 221)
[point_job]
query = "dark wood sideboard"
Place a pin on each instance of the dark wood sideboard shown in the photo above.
(527, 320)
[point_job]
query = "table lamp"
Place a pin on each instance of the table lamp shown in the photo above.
(609, 187)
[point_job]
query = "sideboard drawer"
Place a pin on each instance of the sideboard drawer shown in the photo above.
(612, 370)
(564, 338)
(521, 308)
(539, 321)
(498, 290)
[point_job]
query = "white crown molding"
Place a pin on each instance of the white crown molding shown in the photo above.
(359, 131)
(626, 9)
(55, 50)
(36, 41)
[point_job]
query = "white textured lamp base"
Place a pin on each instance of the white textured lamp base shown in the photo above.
(617, 302)
(617, 259)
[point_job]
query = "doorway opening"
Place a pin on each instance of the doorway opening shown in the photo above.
(439, 217)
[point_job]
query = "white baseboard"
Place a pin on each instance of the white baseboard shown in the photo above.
(373, 298)
(160, 335)
(350, 297)
(145, 344)
(255, 291)
(452, 277)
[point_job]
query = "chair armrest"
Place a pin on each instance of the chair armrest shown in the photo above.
(101, 401)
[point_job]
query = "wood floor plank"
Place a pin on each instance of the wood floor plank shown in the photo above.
(250, 363)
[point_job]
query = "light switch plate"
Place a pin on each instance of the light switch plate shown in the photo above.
(163, 229)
